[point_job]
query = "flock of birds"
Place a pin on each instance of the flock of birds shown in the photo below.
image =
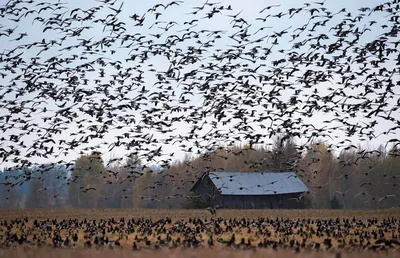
(83, 83)
(298, 235)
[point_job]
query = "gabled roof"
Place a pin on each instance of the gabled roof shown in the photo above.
(257, 183)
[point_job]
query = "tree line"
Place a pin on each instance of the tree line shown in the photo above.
(356, 178)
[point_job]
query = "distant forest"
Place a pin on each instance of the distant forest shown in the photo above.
(355, 179)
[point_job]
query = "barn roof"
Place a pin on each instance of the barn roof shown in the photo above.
(257, 183)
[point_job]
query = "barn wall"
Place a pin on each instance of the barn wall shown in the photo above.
(293, 204)
(259, 201)
(206, 187)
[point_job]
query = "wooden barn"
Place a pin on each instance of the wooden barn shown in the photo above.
(251, 190)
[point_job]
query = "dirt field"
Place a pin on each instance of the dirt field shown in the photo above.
(185, 214)
(203, 253)
(175, 233)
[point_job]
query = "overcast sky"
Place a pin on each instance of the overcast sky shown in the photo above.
(249, 11)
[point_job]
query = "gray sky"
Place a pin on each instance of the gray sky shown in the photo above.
(249, 10)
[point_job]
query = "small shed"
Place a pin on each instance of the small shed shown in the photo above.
(251, 190)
